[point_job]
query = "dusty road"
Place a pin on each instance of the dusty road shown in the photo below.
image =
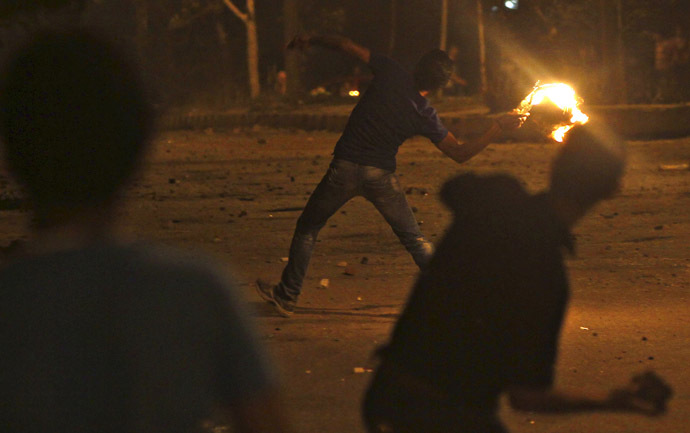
(238, 194)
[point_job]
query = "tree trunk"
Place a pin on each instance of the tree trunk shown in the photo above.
(612, 50)
(249, 20)
(293, 26)
(483, 86)
(393, 26)
(142, 30)
(620, 45)
(252, 52)
(444, 25)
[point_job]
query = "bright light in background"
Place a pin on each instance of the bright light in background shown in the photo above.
(353, 93)
(511, 4)
(563, 97)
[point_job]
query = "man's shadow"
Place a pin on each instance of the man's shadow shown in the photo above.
(265, 309)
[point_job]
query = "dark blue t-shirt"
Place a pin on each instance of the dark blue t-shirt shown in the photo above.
(122, 338)
(390, 112)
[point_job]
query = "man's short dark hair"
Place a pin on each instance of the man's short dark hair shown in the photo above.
(73, 118)
(589, 166)
(433, 71)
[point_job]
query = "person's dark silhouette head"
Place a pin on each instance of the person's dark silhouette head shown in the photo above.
(433, 71)
(589, 166)
(74, 120)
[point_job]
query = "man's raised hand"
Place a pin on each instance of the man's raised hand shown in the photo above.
(511, 121)
(647, 393)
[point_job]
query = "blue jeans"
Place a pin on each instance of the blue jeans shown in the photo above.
(343, 181)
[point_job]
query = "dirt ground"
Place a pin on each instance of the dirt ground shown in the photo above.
(237, 194)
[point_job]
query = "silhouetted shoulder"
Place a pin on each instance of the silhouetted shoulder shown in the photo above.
(473, 193)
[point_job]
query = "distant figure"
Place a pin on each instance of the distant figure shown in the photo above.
(670, 58)
(456, 85)
(97, 334)
(281, 82)
(485, 315)
(393, 109)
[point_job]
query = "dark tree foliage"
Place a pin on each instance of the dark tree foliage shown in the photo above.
(569, 40)
(194, 49)
(8, 8)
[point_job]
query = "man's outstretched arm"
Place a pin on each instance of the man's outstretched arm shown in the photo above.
(334, 42)
(646, 394)
(460, 151)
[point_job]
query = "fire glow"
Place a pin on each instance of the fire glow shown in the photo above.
(562, 96)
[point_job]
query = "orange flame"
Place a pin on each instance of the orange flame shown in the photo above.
(562, 96)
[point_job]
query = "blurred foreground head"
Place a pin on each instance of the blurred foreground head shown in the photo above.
(73, 120)
(589, 166)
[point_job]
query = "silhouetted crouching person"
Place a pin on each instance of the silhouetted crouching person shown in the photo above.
(99, 335)
(485, 315)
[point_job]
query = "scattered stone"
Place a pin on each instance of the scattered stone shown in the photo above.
(172, 180)
(284, 259)
(323, 284)
(644, 338)
(415, 190)
(241, 214)
(342, 264)
(659, 228)
(364, 261)
(350, 270)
